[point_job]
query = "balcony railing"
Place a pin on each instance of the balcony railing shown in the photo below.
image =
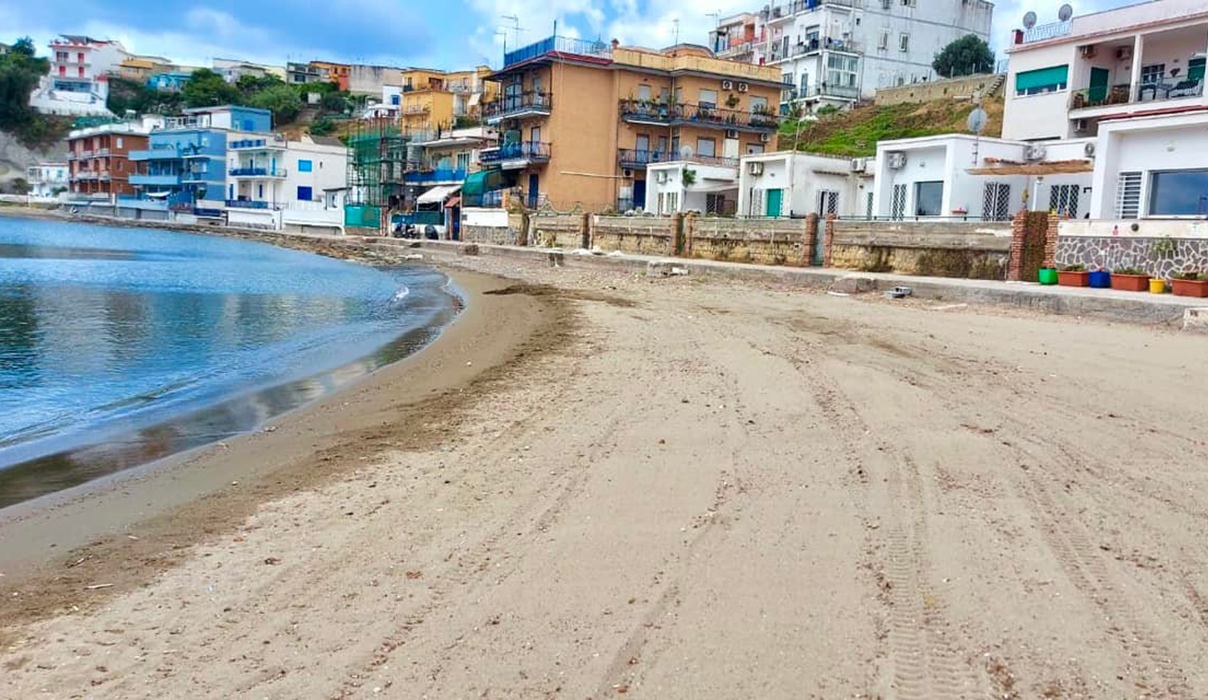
(160, 153)
(532, 151)
(436, 175)
(257, 172)
(647, 112)
(1051, 30)
(1155, 89)
(560, 45)
(812, 46)
(155, 180)
(525, 103)
(248, 204)
(789, 9)
(640, 158)
(252, 144)
(843, 92)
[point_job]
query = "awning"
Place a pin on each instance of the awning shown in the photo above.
(158, 195)
(1057, 167)
(437, 194)
(718, 187)
(453, 201)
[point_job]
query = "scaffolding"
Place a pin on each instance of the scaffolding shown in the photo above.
(377, 161)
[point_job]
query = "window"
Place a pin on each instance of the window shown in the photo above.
(828, 202)
(1152, 73)
(805, 84)
(463, 161)
(868, 205)
(1128, 196)
(706, 147)
(305, 194)
(1063, 199)
(996, 201)
(305, 166)
(883, 42)
(1178, 193)
(260, 190)
(715, 203)
(535, 134)
(708, 98)
(119, 142)
(904, 42)
(898, 206)
(644, 93)
(1035, 82)
(642, 143)
(841, 71)
(928, 198)
(759, 105)
(788, 79)
(754, 149)
(394, 99)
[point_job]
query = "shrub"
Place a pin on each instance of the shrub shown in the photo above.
(1129, 271)
(1074, 268)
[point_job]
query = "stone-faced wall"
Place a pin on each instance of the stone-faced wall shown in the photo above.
(1160, 257)
(763, 241)
(645, 235)
(936, 249)
(558, 230)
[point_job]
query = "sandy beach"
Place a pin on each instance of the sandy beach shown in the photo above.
(596, 485)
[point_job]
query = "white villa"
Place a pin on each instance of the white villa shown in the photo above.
(286, 185)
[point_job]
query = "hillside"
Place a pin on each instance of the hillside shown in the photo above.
(855, 133)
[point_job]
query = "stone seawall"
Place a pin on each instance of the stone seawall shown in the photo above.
(968, 250)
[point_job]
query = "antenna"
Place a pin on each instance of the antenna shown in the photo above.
(716, 17)
(1065, 13)
(515, 27)
(1029, 20)
(676, 23)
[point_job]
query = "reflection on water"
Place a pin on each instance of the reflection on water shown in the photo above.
(118, 347)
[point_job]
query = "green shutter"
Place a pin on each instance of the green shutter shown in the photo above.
(1195, 69)
(1052, 77)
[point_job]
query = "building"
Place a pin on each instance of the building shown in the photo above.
(962, 177)
(798, 184)
(141, 68)
(276, 184)
(47, 180)
(98, 157)
(4, 48)
(185, 163)
(705, 184)
(434, 183)
(337, 73)
(303, 73)
(1133, 79)
(232, 69)
(429, 100)
(78, 81)
(369, 80)
(834, 52)
(741, 37)
(579, 121)
(168, 82)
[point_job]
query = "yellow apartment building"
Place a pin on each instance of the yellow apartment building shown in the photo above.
(579, 121)
(141, 68)
(432, 100)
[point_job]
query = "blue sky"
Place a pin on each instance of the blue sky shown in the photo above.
(432, 33)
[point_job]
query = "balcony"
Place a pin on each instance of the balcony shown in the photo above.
(257, 172)
(1043, 32)
(639, 158)
(152, 154)
(646, 112)
(789, 9)
(1157, 89)
(559, 45)
(818, 92)
(156, 180)
(276, 144)
(435, 175)
(100, 153)
(249, 204)
(526, 104)
(408, 110)
(813, 45)
(516, 155)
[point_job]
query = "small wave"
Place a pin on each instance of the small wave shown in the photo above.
(401, 294)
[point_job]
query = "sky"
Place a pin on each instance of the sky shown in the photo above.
(445, 34)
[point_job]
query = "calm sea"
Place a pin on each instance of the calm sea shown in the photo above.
(121, 346)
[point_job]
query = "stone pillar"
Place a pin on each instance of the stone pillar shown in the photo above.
(1019, 244)
(828, 240)
(809, 240)
(1050, 239)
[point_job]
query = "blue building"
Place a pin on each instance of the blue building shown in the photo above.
(170, 82)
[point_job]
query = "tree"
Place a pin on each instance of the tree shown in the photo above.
(966, 56)
(334, 103)
(251, 84)
(21, 186)
(322, 127)
(205, 88)
(282, 100)
(24, 46)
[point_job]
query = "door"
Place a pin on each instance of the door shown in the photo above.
(533, 191)
(774, 202)
(639, 194)
(1100, 77)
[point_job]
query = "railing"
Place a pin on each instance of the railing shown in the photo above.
(695, 114)
(558, 44)
(636, 157)
(1157, 89)
(257, 172)
(789, 9)
(522, 150)
(100, 153)
(508, 105)
(415, 109)
(154, 180)
(86, 154)
(436, 175)
(814, 45)
(1047, 31)
(243, 144)
(843, 92)
(249, 204)
(160, 153)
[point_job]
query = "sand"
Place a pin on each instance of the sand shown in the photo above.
(674, 489)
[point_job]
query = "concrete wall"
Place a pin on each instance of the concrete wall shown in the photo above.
(765, 241)
(974, 251)
(937, 89)
(646, 235)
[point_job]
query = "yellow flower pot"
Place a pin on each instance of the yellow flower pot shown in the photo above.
(1157, 286)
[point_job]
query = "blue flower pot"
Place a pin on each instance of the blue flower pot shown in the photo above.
(1100, 279)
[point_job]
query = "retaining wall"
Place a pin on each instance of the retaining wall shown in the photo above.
(647, 235)
(936, 249)
(763, 241)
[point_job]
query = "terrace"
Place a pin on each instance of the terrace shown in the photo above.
(258, 172)
(275, 143)
(435, 175)
(637, 158)
(684, 114)
(518, 106)
(516, 155)
(558, 46)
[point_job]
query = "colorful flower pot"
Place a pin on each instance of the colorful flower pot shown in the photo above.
(1099, 279)
(1157, 286)
(1190, 288)
(1130, 283)
(1074, 278)
(1048, 275)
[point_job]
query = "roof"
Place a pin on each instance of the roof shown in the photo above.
(220, 108)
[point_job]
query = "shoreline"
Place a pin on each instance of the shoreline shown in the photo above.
(130, 526)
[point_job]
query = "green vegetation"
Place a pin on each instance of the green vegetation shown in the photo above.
(1190, 276)
(855, 133)
(1074, 268)
(132, 95)
(1130, 271)
(20, 71)
(322, 127)
(967, 55)
(205, 88)
(281, 99)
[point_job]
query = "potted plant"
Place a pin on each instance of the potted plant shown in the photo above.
(1157, 285)
(1047, 275)
(1190, 284)
(1130, 279)
(1099, 279)
(1074, 276)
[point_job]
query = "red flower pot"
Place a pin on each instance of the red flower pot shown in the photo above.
(1130, 283)
(1074, 278)
(1190, 288)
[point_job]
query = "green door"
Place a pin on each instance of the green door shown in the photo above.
(1100, 77)
(1195, 69)
(774, 202)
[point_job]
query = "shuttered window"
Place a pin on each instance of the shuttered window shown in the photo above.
(1128, 196)
(1034, 82)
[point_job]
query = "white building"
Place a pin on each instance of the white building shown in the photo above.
(704, 184)
(293, 185)
(959, 177)
(232, 69)
(798, 184)
(78, 81)
(837, 51)
(741, 37)
(1133, 78)
(47, 180)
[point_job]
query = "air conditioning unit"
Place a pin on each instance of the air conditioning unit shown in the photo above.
(731, 133)
(896, 160)
(626, 172)
(727, 85)
(1035, 152)
(1081, 125)
(1123, 53)
(859, 165)
(755, 168)
(1088, 149)
(743, 87)
(1087, 51)
(765, 138)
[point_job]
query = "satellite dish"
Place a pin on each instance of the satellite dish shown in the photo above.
(686, 152)
(1029, 20)
(977, 120)
(1065, 12)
